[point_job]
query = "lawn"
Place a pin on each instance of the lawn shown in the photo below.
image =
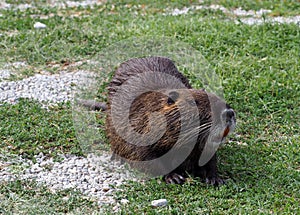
(259, 66)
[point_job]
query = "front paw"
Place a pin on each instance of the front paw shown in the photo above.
(174, 178)
(215, 181)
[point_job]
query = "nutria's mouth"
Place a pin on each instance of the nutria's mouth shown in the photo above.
(226, 131)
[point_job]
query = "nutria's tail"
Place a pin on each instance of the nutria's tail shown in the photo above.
(93, 105)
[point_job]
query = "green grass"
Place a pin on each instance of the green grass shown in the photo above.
(28, 129)
(26, 197)
(259, 66)
(248, 194)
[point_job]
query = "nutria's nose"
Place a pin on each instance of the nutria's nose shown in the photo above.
(229, 116)
(229, 113)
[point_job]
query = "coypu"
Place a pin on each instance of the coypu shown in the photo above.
(160, 125)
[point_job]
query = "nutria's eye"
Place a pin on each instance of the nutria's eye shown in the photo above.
(173, 96)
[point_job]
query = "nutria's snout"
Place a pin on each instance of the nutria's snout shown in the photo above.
(229, 113)
(229, 116)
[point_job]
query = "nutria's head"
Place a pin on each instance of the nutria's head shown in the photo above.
(205, 120)
(223, 118)
(223, 122)
(209, 108)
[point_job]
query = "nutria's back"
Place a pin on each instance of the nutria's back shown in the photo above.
(136, 66)
(159, 124)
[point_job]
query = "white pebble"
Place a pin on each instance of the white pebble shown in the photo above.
(39, 25)
(159, 203)
(124, 201)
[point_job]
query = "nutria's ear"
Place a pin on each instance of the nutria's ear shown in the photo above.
(173, 96)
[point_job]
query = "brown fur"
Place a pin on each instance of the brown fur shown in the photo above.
(166, 99)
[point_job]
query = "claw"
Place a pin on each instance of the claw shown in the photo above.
(215, 181)
(174, 178)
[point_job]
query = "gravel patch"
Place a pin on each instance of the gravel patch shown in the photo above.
(85, 3)
(11, 165)
(91, 175)
(249, 17)
(236, 12)
(4, 74)
(52, 3)
(44, 88)
(279, 19)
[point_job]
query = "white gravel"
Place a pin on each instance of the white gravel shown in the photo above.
(4, 74)
(237, 12)
(249, 17)
(39, 25)
(52, 3)
(159, 203)
(279, 19)
(44, 88)
(92, 175)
